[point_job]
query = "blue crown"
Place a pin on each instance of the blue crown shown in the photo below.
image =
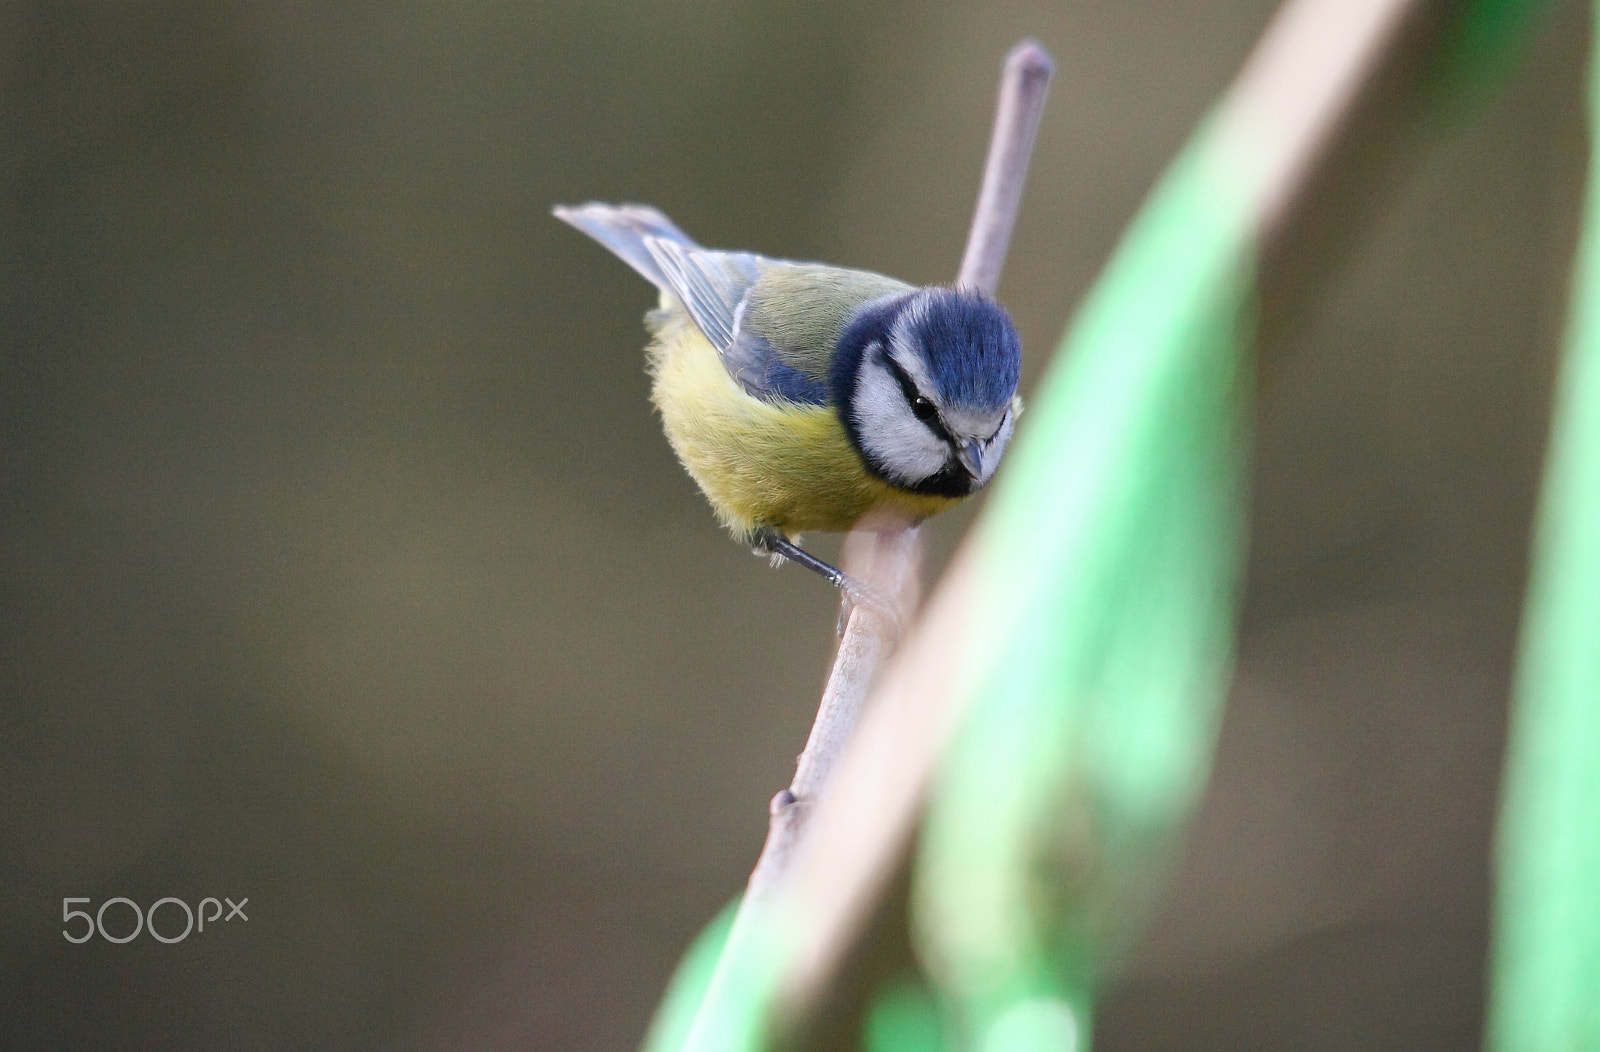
(974, 354)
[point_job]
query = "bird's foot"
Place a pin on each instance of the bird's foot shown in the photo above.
(855, 592)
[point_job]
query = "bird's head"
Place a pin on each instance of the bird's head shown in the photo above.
(925, 383)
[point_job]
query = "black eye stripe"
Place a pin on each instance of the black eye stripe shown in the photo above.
(909, 390)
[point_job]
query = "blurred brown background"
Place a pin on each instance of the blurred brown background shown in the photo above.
(345, 569)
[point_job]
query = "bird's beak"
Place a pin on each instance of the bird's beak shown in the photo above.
(970, 453)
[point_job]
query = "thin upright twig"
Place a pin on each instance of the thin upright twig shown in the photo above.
(1024, 83)
(885, 554)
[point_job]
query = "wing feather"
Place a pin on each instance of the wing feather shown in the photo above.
(710, 285)
(623, 229)
(772, 322)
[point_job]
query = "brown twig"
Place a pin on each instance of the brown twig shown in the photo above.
(885, 553)
(1024, 83)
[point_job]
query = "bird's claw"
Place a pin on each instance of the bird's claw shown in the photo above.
(855, 592)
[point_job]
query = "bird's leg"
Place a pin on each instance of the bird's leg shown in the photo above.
(768, 541)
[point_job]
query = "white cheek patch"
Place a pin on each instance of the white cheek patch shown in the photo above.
(899, 444)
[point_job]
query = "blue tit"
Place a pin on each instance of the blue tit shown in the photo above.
(801, 396)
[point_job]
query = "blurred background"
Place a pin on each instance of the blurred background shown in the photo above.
(345, 568)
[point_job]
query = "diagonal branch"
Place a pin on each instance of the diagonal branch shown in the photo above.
(1296, 101)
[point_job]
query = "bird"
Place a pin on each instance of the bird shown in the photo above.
(802, 396)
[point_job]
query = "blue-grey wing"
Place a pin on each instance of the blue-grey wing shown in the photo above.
(714, 287)
(623, 229)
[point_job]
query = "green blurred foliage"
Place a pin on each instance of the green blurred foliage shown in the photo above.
(1546, 987)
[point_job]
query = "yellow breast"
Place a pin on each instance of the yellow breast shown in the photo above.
(777, 464)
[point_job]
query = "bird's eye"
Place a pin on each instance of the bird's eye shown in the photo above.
(922, 408)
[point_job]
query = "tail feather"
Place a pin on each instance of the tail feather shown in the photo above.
(624, 229)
